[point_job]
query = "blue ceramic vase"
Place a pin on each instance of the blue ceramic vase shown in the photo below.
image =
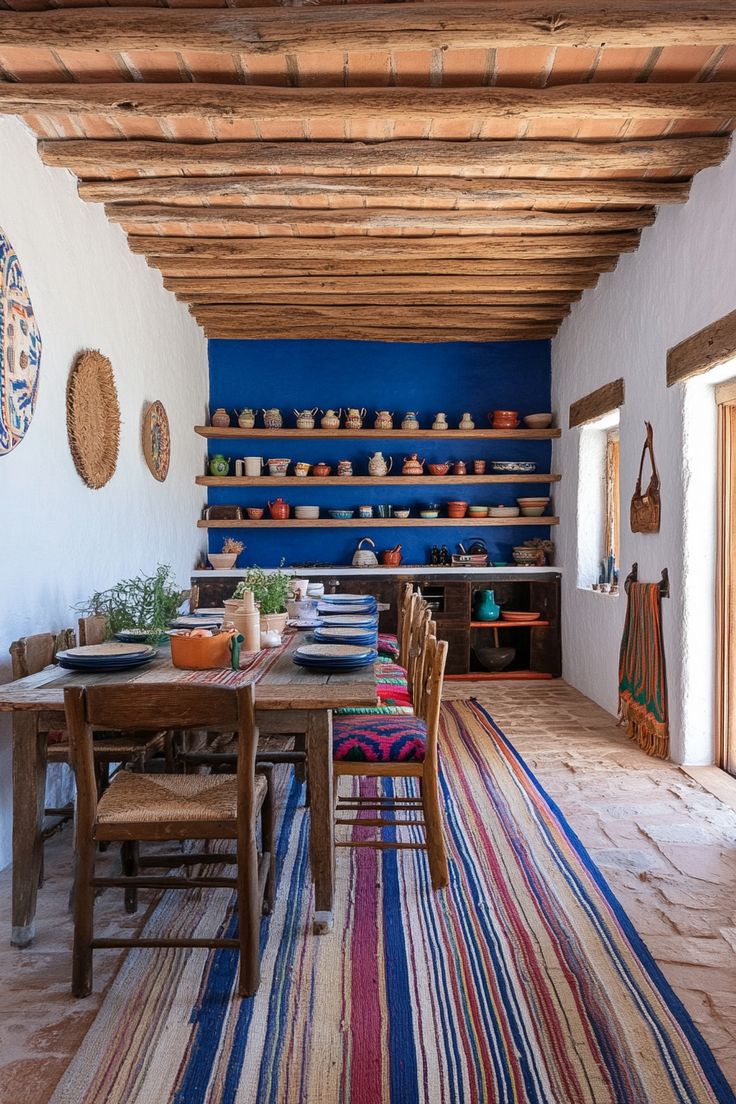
(487, 608)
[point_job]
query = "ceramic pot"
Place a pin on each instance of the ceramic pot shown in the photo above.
(220, 418)
(410, 420)
(331, 420)
(365, 511)
(279, 509)
(301, 468)
(486, 606)
(272, 418)
(219, 464)
(354, 418)
(321, 469)
(457, 509)
(278, 467)
(504, 419)
(459, 468)
(344, 467)
(255, 513)
(384, 420)
(246, 418)
(305, 418)
(412, 465)
(274, 622)
(479, 467)
(440, 421)
(223, 561)
(391, 557)
(438, 469)
(377, 465)
(466, 422)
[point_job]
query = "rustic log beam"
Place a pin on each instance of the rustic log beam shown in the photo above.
(447, 300)
(411, 26)
(675, 156)
(402, 192)
(388, 285)
(325, 224)
(249, 329)
(265, 102)
(473, 314)
(388, 315)
(523, 268)
(415, 250)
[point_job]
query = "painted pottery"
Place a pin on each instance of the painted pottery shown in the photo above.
(305, 418)
(272, 418)
(321, 469)
(479, 467)
(438, 469)
(410, 420)
(354, 417)
(279, 466)
(486, 606)
(459, 468)
(20, 351)
(246, 417)
(391, 557)
(219, 465)
(440, 421)
(378, 466)
(220, 418)
(384, 420)
(466, 422)
(301, 468)
(412, 465)
(365, 511)
(331, 419)
(279, 509)
(255, 513)
(344, 467)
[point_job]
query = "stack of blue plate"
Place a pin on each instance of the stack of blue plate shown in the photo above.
(334, 658)
(333, 600)
(106, 657)
(331, 608)
(353, 620)
(345, 634)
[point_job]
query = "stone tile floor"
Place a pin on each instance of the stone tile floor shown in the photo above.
(666, 846)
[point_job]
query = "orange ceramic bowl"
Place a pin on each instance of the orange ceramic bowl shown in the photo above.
(200, 653)
(255, 513)
(457, 509)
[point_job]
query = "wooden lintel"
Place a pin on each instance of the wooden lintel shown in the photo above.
(319, 224)
(675, 156)
(403, 192)
(713, 100)
(388, 285)
(597, 403)
(319, 268)
(468, 24)
(216, 328)
(388, 315)
(348, 249)
(449, 301)
(709, 347)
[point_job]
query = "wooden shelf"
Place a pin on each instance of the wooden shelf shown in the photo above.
(500, 624)
(434, 481)
(360, 523)
(381, 434)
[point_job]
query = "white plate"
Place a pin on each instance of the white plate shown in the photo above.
(109, 650)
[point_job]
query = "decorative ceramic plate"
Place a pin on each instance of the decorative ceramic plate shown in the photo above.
(20, 351)
(157, 441)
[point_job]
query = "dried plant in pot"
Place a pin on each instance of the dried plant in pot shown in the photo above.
(226, 560)
(271, 590)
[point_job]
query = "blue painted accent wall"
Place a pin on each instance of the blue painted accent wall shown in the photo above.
(453, 377)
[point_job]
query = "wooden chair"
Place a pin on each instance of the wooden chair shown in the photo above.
(405, 747)
(167, 807)
(92, 629)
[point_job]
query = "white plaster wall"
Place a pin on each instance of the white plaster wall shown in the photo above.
(59, 540)
(682, 277)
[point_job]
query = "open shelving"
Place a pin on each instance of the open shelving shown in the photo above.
(434, 481)
(356, 522)
(225, 433)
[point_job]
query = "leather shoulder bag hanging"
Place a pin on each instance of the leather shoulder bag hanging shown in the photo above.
(645, 508)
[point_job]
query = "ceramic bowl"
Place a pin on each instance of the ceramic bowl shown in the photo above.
(503, 511)
(341, 515)
(399, 513)
(477, 511)
(525, 557)
(306, 512)
(504, 419)
(494, 659)
(457, 509)
(513, 467)
(532, 507)
(225, 561)
(426, 514)
(533, 511)
(538, 421)
(438, 469)
(278, 467)
(255, 513)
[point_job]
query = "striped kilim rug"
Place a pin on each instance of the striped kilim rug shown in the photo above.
(523, 982)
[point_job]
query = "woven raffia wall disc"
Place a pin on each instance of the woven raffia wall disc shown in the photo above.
(93, 418)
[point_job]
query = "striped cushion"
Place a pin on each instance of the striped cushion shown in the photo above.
(379, 739)
(393, 695)
(388, 645)
(376, 710)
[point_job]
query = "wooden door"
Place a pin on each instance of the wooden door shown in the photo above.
(726, 579)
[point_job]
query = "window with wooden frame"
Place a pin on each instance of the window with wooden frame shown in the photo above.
(598, 501)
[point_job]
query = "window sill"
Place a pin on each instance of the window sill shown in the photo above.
(599, 593)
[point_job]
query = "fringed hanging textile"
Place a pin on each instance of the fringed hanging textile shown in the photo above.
(642, 684)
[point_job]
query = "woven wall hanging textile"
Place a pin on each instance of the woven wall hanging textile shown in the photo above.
(93, 418)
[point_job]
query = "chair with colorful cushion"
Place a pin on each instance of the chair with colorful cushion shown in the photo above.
(397, 747)
(388, 643)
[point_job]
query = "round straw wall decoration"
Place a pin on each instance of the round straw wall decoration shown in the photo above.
(20, 351)
(157, 441)
(93, 418)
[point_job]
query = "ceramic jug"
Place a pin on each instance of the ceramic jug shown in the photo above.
(384, 420)
(377, 464)
(305, 418)
(486, 606)
(354, 417)
(466, 422)
(246, 417)
(331, 419)
(440, 421)
(253, 465)
(459, 468)
(272, 418)
(344, 467)
(412, 465)
(220, 418)
(279, 509)
(219, 465)
(410, 420)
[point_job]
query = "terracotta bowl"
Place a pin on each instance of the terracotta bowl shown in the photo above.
(504, 419)
(438, 469)
(255, 513)
(457, 509)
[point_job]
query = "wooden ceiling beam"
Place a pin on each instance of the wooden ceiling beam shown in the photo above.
(558, 302)
(388, 285)
(408, 316)
(234, 329)
(526, 157)
(203, 267)
(266, 102)
(417, 250)
(400, 191)
(324, 224)
(414, 26)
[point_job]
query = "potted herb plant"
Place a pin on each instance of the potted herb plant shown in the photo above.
(142, 606)
(270, 589)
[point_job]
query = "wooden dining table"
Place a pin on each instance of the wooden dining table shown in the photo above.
(289, 699)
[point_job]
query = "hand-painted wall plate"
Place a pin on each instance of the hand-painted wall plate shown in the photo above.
(157, 441)
(20, 351)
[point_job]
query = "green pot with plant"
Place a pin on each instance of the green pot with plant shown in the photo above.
(270, 590)
(142, 606)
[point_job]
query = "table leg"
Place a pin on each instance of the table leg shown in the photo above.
(321, 814)
(29, 792)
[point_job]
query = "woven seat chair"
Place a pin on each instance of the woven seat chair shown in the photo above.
(398, 747)
(141, 807)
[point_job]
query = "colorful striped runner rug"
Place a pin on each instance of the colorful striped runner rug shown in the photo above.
(523, 982)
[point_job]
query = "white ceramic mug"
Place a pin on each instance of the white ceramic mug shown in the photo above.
(299, 588)
(253, 465)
